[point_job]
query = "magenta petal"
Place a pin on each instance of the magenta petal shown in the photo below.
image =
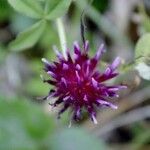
(102, 102)
(86, 46)
(94, 119)
(95, 83)
(78, 83)
(100, 51)
(78, 67)
(65, 66)
(115, 63)
(77, 49)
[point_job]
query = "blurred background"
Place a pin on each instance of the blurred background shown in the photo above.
(27, 123)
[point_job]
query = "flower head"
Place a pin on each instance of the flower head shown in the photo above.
(78, 84)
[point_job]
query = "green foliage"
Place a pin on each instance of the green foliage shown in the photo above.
(75, 139)
(144, 70)
(30, 8)
(140, 140)
(4, 10)
(36, 86)
(20, 23)
(145, 18)
(29, 37)
(56, 8)
(146, 22)
(48, 39)
(100, 5)
(2, 53)
(23, 125)
(142, 54)
(143, 48)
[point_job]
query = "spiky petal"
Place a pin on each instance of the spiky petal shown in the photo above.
(77, 83)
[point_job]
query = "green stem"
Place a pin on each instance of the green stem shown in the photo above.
(62, 36)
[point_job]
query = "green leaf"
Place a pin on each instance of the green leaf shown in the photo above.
(3, 53)
(5, 10)
(24, 125)
(142, 50)
(142, 54)
(75, 139)
(20, 23)
(140, 140)
(144, 70)
(146, 23)
(56, 8)
(31, 8)
(29, 37)
(36, 86)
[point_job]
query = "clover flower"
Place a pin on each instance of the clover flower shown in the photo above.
(77, 83)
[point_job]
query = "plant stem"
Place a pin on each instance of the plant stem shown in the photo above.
(103, 23)
(62, 36)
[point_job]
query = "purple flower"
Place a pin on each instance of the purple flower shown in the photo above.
(77, 83)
